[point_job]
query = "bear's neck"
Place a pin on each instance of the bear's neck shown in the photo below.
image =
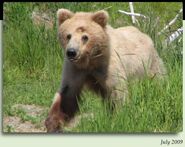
(99, 68)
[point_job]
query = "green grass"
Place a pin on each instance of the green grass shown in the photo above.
(32, 65)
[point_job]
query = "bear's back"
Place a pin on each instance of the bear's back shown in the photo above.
(131, 51)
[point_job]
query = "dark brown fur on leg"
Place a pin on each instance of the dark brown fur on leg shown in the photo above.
(55, 116)
(65, 103)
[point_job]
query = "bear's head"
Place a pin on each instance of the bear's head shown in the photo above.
(83, 36)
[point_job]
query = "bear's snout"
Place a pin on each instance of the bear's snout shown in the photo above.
(71, 53)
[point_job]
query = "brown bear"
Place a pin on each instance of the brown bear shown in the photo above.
(100, 57)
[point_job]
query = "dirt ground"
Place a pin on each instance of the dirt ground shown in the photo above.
(16, 124)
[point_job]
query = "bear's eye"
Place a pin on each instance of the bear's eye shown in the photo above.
(85, 38)
(68, 36)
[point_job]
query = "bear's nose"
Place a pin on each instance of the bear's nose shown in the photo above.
(71, 52)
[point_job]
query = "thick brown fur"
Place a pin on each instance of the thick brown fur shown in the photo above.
(106, 58)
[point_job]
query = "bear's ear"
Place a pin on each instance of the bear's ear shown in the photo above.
(63, 14)
(100, 17)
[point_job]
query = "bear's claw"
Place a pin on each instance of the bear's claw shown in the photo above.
(52, 124)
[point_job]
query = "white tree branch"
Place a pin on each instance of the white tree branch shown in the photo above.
(173, 36)
(171, 22)
(132, 11)
(132, 14)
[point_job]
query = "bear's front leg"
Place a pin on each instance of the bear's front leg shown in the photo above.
(118, 96)
(65, 103)
(117, 92)
(55, 116)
